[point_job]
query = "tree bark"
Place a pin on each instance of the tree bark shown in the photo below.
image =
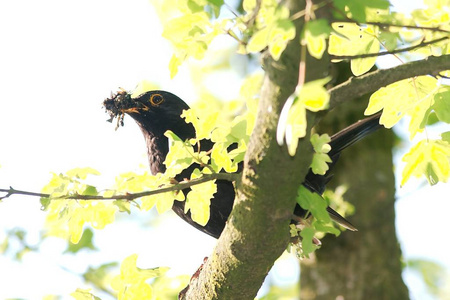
(257, 231)
(364, 264)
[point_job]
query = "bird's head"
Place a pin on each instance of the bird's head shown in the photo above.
(155, 112)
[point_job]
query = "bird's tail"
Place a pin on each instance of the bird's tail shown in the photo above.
(341, 140)
(353, 133)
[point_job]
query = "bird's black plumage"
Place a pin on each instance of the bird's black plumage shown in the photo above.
(158, 111)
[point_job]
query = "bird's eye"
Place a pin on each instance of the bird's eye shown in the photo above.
(156, 99)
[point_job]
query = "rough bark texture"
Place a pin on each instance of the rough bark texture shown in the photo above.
(257, 231)
(364, 264)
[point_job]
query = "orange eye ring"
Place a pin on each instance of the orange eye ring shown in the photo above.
(156, 99)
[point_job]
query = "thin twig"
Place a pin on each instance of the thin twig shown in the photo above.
(251, 20)
(366, 55)
(128, 196)
(381, 24)
(314, 7)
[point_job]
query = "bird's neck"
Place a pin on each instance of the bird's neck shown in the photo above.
(158, 144)
(157, 149)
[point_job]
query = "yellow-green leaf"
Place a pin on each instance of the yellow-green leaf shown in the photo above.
(199, 198)
(352, 40)
(315, 35)
(279, 36)
(81, 294)
(180, 155)
(411, 97)
(321, 159)
(259, 40)
(164, 202)
(222, 160)
(429, 158)
(442, 104)
(204, 125)
(296, 128)
(249, 5)
(314, 96)
(131, 282)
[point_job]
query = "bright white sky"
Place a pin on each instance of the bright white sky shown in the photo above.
(58, 61)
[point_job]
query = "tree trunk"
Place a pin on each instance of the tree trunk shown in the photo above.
(364, 264)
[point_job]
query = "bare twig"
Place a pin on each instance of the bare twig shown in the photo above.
(314, 7)
(252, 18)
(366, 55)
(384, 25)
(128, 196)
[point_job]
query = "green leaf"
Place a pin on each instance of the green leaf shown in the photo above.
(442, 105)
(362, 11)
(431, 119)
(320, 143)
(316, 33)
(84, 242)
(99, 276)
(446, 136)
(319, 163)
(44, 203)
(84, 294)
(314, 203)
(123, 206)
(239, 129)
(90, 191)
(326, 228)
(431, 272)
(307, 235)
(321, 159)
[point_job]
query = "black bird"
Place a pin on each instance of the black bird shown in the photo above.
(158, 111)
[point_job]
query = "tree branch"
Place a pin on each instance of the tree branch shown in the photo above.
(129, 196)
(382, 53)
(384, 25)
(358, 86)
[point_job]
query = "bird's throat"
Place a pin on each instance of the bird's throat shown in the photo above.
(157, 149)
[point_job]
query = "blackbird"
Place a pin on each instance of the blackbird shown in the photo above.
(158, 111)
